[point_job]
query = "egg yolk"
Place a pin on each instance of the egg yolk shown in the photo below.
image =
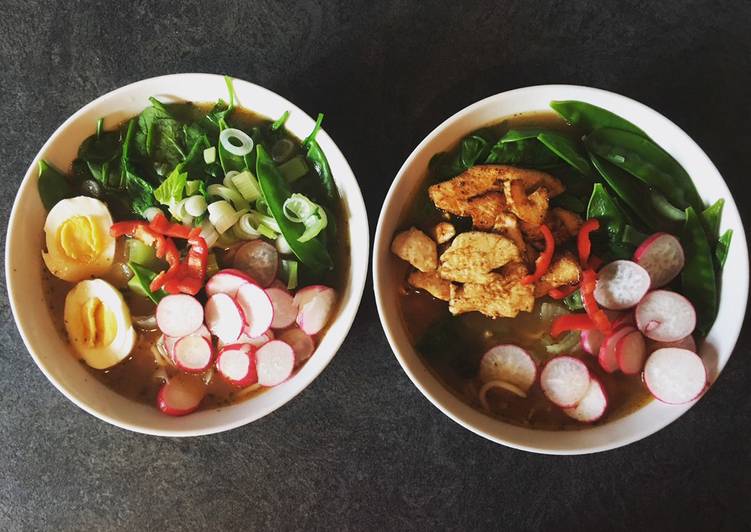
(99, 324)
(79, 239)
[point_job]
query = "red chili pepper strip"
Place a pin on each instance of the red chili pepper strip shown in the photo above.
(583, 244)
(161, 225)
(128, 228)
(198, 257)
(543, 261)
(595, 262)
(560, 293)
(596, 314)
(571, 322)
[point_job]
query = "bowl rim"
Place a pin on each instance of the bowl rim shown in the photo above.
(345, 318)
(379, 246)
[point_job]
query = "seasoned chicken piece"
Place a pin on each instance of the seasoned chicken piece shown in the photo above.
(417, 248)
(486, 210)
(452, 195)
(443, 232)
(432, 283)
(562, 223)
(564, 270)
(532, 208)
(474, 255)
(504, 297)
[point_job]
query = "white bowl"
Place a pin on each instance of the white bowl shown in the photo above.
(23, 264)
(649, 419)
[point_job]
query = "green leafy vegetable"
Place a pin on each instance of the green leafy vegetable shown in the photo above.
(722, 248)
(589, 117)
(564, 148)
(171, 190)
(52, 185)
(698, 275)
(521, 147)
(279, 122)
(711, 217)
(612, 219)
(320, 164)
(574, 301)
(141, 280)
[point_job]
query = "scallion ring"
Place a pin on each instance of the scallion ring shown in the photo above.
(229, 134)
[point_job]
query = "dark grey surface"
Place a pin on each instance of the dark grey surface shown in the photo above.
(361, 448)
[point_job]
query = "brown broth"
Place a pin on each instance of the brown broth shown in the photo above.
(137, 376)
(472, 334)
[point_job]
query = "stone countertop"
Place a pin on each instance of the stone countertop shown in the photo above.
(361, 448)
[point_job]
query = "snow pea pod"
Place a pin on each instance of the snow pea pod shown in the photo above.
(722, 248)
(564, 148)
(645, 160)
(711, 217)
(312, 253)
(698, 275)
(539, 148)
(589, 117)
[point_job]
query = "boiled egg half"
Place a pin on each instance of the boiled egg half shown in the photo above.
(98, 323)
(79, 244)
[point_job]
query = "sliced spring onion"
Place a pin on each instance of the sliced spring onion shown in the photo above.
(567, 344)
(226, 239)
(222, 216)
(209, 155)
(282, 150)
(151, 213)
(298, 208)
(140, 252)
(282, 246)
(244, 230)
(208, 233)
(227, 181)
(266, 231)
(289, 270)
(258, 218)
(247, 185)
(178, 210)
(314, 225)
(195, 205)
(228, 194)
(293, 169)
(99, 127)
(187, 220)
(192, 187)
(243, 143)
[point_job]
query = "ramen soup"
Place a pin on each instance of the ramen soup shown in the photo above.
(194, 254)
(559, 270)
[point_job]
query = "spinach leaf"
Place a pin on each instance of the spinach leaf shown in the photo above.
(171, 190)
(140, 191)
(101, 153)
(279, 122)
(698, 276)
(589, 117)
(574, 301)
(645, 160)
(52, 185)
(569, 202)
(722, 248)
(612, 220)
(564, 148)
(276, 191)
(141, 281)
(471, 150)
(521, 147)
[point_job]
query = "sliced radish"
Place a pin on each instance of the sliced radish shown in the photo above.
(257, 309)
(631, 350)
(181, 395)
(675, 375)
(257, 341)
(302, 344)
(227, 281)
(621, 284)
(625, 319)
(309, 292)
(684, 343)
(193, 354)
(236, 365)
(179, 315)
(607, 356)
(662, 256)
(591, 340)
(224, 317)
(592, 406)
(280, 285)
(274, 363)
(285, 310)
(169, 341)
(259, 259)
(314, 313)
(565, 380)
(665, 316)
(508, 363)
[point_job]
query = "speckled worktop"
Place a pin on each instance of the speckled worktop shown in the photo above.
(361, 448)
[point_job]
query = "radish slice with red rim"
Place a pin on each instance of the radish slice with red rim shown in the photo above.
(565, 381)
(285, 309)
(228, 282)
(257, 341)
(274, 363)
(665, 316)
(224, 317)
(309, 292)
(607, 357)
(314, 313)
(631, 350)
(193, 354)
(684, 343)
(508, 363)
(675, 376)
(302, 344)
(181, 395)
(236, 365)
(179, 315)
(592, 406)
(591, 341)
(259, 260)
(625, 319)
(257, 309)
(621, 284)
(662, 256)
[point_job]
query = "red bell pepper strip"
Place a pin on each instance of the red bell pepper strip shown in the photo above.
(596, 314)
(571, 322)
(198, 257)
(595, 262)
(161, 225)
(543, 261)
(560, 293)
(583, 243)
